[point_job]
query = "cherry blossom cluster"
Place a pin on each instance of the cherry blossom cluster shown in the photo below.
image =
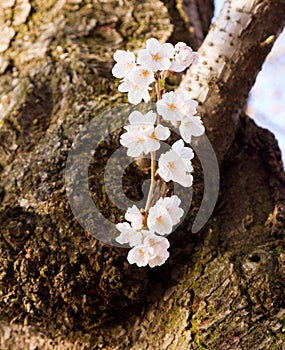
(144, 229)
(137, 75)
(179, 108)
(148, 245)
(142, 136)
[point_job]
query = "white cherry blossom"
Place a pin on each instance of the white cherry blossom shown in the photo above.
(159, 247)
(183, 57)
(174, 106)
(188, 106)
(159, 220)
(138, 142)
(185, 153)
(159, 259)
(141, 76)
(171, 166)
(191, 126)
(156, 56)
(136, 92)
(128, 235)
(171, 204)
(134, 216)
(153, 251)
(139, 255)
(170, 107)
(126, 61)
(142, 136)
(164, 215)
(157, 243)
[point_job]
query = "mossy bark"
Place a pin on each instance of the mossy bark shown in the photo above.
(60, 288)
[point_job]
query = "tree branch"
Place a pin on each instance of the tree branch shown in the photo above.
(230, 58)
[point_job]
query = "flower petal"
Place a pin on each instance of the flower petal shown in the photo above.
(135, 217)
(159, 220)
(162, 132)
(138, 255)
(135, 117)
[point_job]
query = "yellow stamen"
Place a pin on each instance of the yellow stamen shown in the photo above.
(156, 57)
(158, 219)
(170, 165)
(145, 73)
(171, 106)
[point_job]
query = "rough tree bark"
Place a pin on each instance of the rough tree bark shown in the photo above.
(60, 289)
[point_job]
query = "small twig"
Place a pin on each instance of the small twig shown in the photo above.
(152, 184)
(158, 90)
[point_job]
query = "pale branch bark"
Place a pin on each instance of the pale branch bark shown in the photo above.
(230, 58)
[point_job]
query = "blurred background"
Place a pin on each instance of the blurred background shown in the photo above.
(266, 103)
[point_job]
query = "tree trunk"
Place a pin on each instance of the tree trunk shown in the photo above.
(222, 288)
